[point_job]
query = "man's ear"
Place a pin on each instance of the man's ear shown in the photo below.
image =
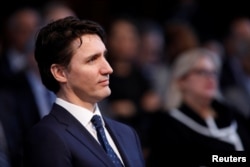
(58, 72)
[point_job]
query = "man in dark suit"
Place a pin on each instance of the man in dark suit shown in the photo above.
(71, 58)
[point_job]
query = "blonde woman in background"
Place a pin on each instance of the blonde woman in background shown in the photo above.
(198, 123)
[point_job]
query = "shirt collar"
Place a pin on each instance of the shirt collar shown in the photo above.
(82, 114)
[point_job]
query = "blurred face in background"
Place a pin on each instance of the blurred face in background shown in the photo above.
(201, 81)
(55, 10)
(123, 40)
(152, 47)
(22, 28)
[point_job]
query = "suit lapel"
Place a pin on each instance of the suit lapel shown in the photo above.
(80, 133)
(118, 139)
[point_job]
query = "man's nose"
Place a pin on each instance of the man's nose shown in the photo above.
(106, 67)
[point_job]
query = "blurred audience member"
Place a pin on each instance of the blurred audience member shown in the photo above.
(239, 31)
(150, 62)
(54, 10)
(25, 99)
(238, 92)
(215, 46)
(180, 36)
(151, 56)
(24, 80)
(196, 122)
(127, 82)
(19, 32)
(234, 81)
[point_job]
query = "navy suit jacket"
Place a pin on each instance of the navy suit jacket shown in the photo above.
(59, 140)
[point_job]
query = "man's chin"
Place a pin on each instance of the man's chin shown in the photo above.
(108, 93)
(105, 94)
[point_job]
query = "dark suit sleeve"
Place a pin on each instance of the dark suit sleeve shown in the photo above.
(44, 147)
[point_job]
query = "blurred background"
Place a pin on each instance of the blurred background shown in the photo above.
(144, 38)
(208, 16)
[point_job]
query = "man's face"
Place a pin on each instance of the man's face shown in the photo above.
(88, 72)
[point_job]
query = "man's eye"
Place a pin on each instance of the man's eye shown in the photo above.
(92, 60)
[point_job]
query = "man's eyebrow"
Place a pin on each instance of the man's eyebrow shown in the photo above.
(97, 55)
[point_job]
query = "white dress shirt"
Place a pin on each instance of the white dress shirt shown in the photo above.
(84, 116)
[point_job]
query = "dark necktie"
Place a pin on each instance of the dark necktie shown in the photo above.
(97, 122)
